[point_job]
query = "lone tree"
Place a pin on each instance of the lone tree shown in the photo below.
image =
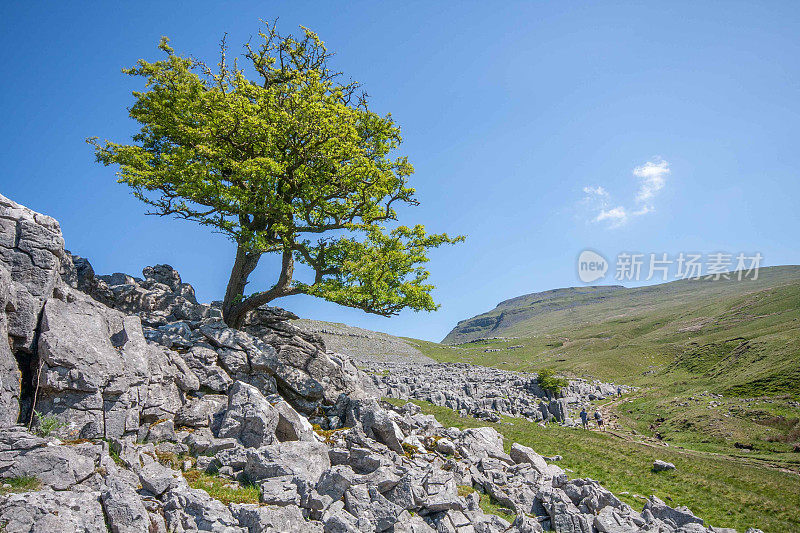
(282, 157)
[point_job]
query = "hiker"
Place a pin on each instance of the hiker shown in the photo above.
(619, 391)
(599, 419)
(585, 418)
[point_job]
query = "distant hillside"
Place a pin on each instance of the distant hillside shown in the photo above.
(559, 309)
(363, 345)
(519, 309)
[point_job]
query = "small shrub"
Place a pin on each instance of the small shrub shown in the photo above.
(465, 490)
(547, 381)
(114, 453)
(327, 434)
(47, 425)
(170, 459)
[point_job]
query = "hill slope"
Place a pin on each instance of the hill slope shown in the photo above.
(363, 345)
(718, 362)
(558, 309)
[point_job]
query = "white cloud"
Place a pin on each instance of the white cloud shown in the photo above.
(597, 191)
(615, 217)
(652, 177)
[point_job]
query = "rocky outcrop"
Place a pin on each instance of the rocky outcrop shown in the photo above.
(31, 250)
(484, 392)
(9, 371)
(343, 481)
(141, 392)
(269, 353)
(159, 298)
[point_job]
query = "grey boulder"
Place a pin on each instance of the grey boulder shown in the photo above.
(249, 418)
(662, 466)
(51, 511)
(124, 509)
(306, 460)
(24, 454)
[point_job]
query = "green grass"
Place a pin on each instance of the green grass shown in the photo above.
(487, 504)
(724, 491)
(221, 489)
(19, 484)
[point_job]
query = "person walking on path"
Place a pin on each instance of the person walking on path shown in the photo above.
(585, 418)
(619, 391)
(599, 419)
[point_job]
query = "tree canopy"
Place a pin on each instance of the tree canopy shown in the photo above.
(283, 157)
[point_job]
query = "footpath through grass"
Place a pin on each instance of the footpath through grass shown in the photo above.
(724, 491)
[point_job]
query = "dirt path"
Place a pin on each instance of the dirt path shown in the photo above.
(613, 427)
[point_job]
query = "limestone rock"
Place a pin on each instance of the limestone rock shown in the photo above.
(31, 249)
(303, 459)
(52, 511)
(9, 372)
(267, 519)
(662, 466)
(157, 478)
(123, 507)
(59, 467)
(523, 454)
(680, 516)
(291, 424)
(187, 509)
(249, 418)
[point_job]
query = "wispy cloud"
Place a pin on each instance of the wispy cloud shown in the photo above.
(597, 191)
(652, 177)
(615, 217)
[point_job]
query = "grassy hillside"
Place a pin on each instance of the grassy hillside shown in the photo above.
(560, 309)
(724, 491)
(718, 362)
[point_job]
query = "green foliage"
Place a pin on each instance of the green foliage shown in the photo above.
(547, 381)
(328, 434)
(282, 156)
(47, 425)
(114, 453)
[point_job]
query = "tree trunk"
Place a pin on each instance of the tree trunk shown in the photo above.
(234, 309)
(243, 266)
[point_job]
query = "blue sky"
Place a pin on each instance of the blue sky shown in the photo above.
(536, 129)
